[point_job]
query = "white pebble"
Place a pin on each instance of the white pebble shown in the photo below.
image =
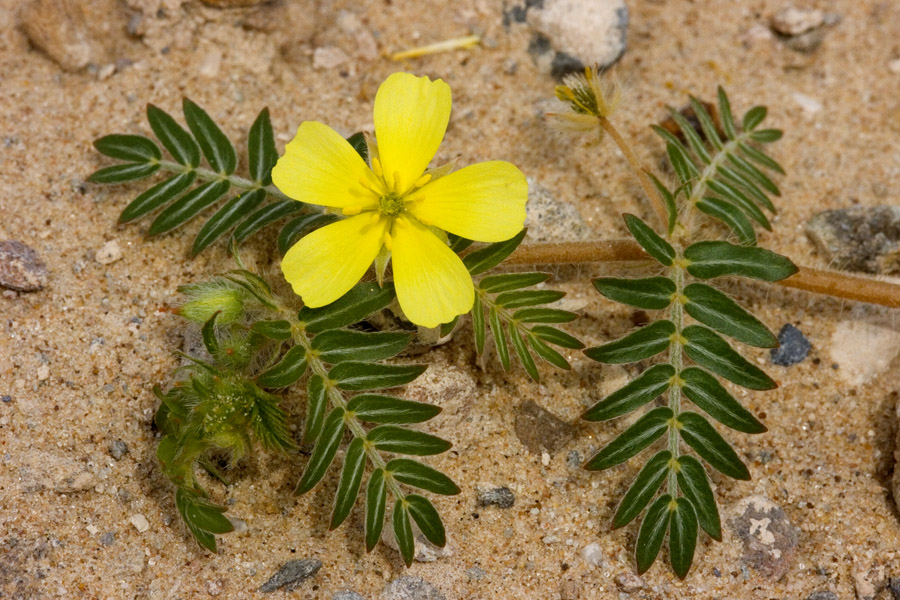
(545, 459)
(108, 253)
(809, 104)
(43, 372)
(92, 529)
(894, 66)
(140, 522)
(592, 554)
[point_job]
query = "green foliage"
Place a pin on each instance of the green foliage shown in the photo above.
(722, 177)
(222, 405)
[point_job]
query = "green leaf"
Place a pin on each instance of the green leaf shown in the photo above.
(291, 232)
(377, 408)
(390, 438)
(694, 484)
(547, 353)
(767, 136)
(499, 337)
(131, 148)
(352, 375)
(447, 328)
(125, 172)
(746, 185)
(649, 240)
(427, 518)
(176, 140)
(645, 342)
(633, 440)
(713, 308)
(747, 168)
(203, 518)
(316, 405)
(652, 533)
(706, 392)
(478, 324)
(650, 384)
(261, 149)
(706, 123)
(690, 135)
(324, 451)
(507, 282)
(253, 284)
(458, 244)
(225, 218)
(734, 195)
(216, 147)
(760, 157)
(421, 476)
(725, 114)
(159, 194)
(340, 345)
(208, 333)
(358, 141)
(286, 371)
(403, 531)
(669, 199)
(269, 422)
(754, 117)
(712, 447)
(376, 499)
(485, 259)
(682, 537)
(523, 353)
(642, 490)
(188, 206)
(274, 330)
(652, 293)
(264, 216)
(351, 478)
(557, 337)
(544, 315)
(717, 259)
(729, 214)
(709, 350)
(522, 298)
(361, 301)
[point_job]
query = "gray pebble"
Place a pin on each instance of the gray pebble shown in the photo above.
(108, 538)
(501, 497)
(6, 398)
(20, 267)
(410, 587)
(347, 595)
(858, 238)
(118, 449)
(894, 586)
(539, 429)
(292, 574)
(769, 538)
(475, 573)
(574, 459)
(552, 220)
(822, 595)
(793, 347)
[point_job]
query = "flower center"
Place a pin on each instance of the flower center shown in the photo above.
(390, 205)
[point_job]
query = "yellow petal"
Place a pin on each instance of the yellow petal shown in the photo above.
(433, 286)
(325, 264)
(411, 115)
(320, 167)
(483, 202)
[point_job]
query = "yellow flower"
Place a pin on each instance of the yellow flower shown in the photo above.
(590, 97)
(396, 208)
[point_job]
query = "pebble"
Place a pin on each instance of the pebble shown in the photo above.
(475, 573)
(140, 522)
(292, 574)
(794, 21)
(39, 470)
(60, 28)
(233, 3)
(823, 595)
(410, 587)
(347, 595)
(20, 267)
(540, 430)
(43, 372)
(630, 583)
(858, 238)
(769, 538)
(894, 66)
(570, 34)
(210, 63)
(329, 57)
(869, 582)
(551, 220)
(108, 253)
(894, 587)
(809, 105)
(793, 347)
(592, 554)
(862, 350)
(501, 497)
(108, 538)
(118, 449)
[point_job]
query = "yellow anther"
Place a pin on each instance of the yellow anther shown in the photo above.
(349, 211)
(388, 241)
(376, 167)
(374, 218)
(422, 180)
(397, 188)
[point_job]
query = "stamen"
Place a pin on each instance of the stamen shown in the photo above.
(397, 187)
(388, 241)
(349, 211)
(376, 168)
(422, 180)
(374, 218)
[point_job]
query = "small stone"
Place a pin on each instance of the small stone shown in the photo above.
(574, 459)
(868, 582)
(630, 583)
(329, 57)
(862, 350)
(106, 71)
(475, 573)
(108, 538)
(140, 522)
(410, 587)
(894, 586)
(210, 63)
(865, 239)
(39, 470)
(573, 33)
(769, 538)
(6, 398)
(20, 267)
(794, 21)
(894, 66)
(793, 347)
(233, 3)
(347, 595)
(823, 595)
(61, 29)
(118, 449)
(510, 66)
(92, 529)
(549, 219)
(537, 428)
(592, 554)
(43, 372)
(108, 253)
(501, 497)
(808, 104)
(570, 590)
(806, 43)
(292, 574)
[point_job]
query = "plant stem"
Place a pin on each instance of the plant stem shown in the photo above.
(809, 279)
(209, 175)
(676, 314)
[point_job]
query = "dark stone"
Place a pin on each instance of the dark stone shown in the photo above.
(20, 267)
(769, 538)
(823, 595)
(118, 449)
(409, 587)
(6, 398)
(793, 347)
(347, 595)
(539, 45)
(292, 574)
(563, 64)
(864, 239)
(894, 586)
(108, 538)
(537, 428)
(501, 497)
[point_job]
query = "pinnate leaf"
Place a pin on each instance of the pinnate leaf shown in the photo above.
(682, 537)
(340, 345)
(265, 216)
(122, 173)
(421, 476)
(352, 375)
(694, 484)
(286, 371)
(633, 440)
(651, 293)
(714, 309)
(638, 345)
(377, 408)
(709, 350)
(485, 259)
(225, 218)
(643, 489)
(216, 147)
(653, 532)
(361, 301)
(649, 240)
(131, 148)
(159, 194)
(351, 479)
(706, 392)
(188, 206)
(403, 531)
(173, 136)
(712, 447)
(376, 502)
(316, 404)
(324, 451)
(427, 518)
(650, 384)
(716, 259)
(390, 438)
(261, 149)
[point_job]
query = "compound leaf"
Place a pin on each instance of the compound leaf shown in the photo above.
(633, 440)
(709, 350)
(216, 147)
(351, 479)
(638, 345)
(642, 490)
(712, 447)
(650, 384)
(324, 451)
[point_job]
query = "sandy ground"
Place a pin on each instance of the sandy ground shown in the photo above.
(79, 358)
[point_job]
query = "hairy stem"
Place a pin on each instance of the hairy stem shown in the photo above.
(676, 315)
(205, 175)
